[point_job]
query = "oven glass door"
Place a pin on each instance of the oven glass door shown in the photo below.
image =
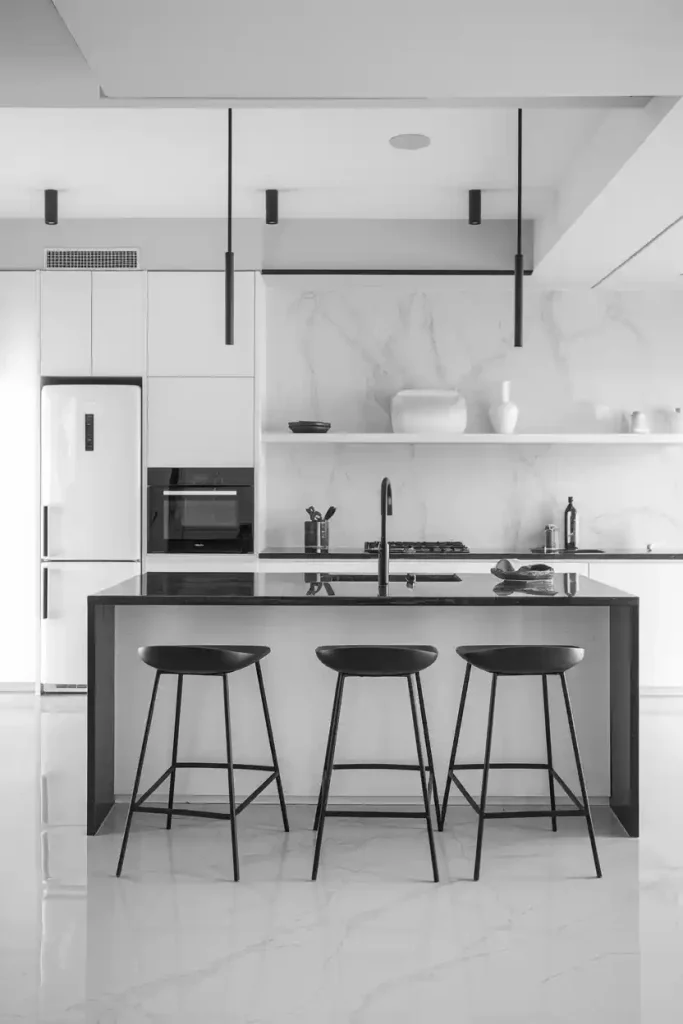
(201, 515)
(200, 519)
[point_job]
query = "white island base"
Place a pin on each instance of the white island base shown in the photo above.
(376, 721)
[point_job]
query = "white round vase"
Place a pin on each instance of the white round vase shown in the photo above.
(504, 415)
(428, 412)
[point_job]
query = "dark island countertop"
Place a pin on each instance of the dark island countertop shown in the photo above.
(483, 554)
(196, 588)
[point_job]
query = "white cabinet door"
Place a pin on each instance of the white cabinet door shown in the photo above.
(660, 589)
(118, 323)
(65, 323)
(186, 332)
(200, 421)
(66, 587)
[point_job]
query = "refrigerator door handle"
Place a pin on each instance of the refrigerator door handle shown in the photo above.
(46, 577)
(45, 525)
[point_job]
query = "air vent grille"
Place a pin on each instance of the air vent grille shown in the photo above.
(92, 259)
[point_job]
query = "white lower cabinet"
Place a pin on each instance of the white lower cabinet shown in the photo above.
(200, 421)
(659, 586)
(64, 633)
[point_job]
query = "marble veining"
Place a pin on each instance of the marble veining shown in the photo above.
(589, 358)
(372, 942)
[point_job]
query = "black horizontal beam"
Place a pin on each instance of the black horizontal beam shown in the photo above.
(392, 272)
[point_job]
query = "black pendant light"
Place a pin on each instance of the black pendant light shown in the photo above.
(474, 203)
(229, 256)
(272, 214)
(51, 206)
(519, 258)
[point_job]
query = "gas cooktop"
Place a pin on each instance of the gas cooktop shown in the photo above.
(418, 547)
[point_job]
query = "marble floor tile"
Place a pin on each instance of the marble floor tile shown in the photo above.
(539, 940)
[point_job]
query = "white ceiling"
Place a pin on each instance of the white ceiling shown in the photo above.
(431, 50)
(326, 163)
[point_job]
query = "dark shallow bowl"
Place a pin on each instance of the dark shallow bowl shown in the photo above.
(309, 427)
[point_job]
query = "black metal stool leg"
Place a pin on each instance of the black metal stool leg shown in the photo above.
(327, 776)
(138, 774)
(454, 748)
(549, 750)
(428, 747)
(423, 780)
(174, 755)
(485, 778)
(582, 783)
(271, 742)
(231, 782)
(316, 820)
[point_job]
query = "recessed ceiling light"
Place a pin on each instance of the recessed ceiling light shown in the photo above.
(410, 141)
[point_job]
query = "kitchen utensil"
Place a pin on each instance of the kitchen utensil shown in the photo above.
(330, 512)
(309, 427)
(316, 535)
(314, 514)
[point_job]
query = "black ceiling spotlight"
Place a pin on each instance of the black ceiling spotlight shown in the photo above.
(519, 258)
(51, 206)
(229, 256)
(271, 206)
(475, 206)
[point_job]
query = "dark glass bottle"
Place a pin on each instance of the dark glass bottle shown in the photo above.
(571, 527)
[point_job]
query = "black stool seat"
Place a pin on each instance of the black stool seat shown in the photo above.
(393, 660)
(207, 660)
(505, 660)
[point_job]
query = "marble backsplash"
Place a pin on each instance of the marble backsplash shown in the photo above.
(589, 358)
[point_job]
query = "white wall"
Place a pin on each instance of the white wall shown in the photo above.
(339, 352)
(19, 462)
(199, 244)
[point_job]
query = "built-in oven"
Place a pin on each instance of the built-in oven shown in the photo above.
(203, 511)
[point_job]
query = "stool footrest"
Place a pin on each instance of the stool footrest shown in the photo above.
(224, 764)
(377, 766)
(223, 816)
(375, 814)
(580, 811)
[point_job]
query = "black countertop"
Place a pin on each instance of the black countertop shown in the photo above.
(196, 588)
(616, 554)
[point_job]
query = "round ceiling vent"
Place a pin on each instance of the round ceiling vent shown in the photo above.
(409, 141)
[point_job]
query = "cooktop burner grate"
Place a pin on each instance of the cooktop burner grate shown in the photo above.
(418, 547)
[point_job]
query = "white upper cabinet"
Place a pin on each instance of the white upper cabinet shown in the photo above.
(65, 323)
(186, 325)
(200, 421)
(118, 324)
(92, 323)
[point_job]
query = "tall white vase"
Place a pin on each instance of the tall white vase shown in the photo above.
(504, 415)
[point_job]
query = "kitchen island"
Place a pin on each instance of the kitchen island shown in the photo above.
(293, 613)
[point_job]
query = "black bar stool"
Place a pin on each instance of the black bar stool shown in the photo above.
(520, 661)
(203, 661)
(378, 661)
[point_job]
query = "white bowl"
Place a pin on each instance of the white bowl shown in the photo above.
(428, 412)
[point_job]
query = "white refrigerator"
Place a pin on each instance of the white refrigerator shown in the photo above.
(91, 498)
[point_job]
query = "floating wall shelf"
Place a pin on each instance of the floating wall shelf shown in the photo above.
(338, 437)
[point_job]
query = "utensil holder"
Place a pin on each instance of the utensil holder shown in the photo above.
(316, 535)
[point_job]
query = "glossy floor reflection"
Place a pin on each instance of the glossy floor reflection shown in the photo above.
(538, 940)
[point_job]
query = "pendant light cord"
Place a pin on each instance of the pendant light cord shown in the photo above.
(230, 179)
(519, 181)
